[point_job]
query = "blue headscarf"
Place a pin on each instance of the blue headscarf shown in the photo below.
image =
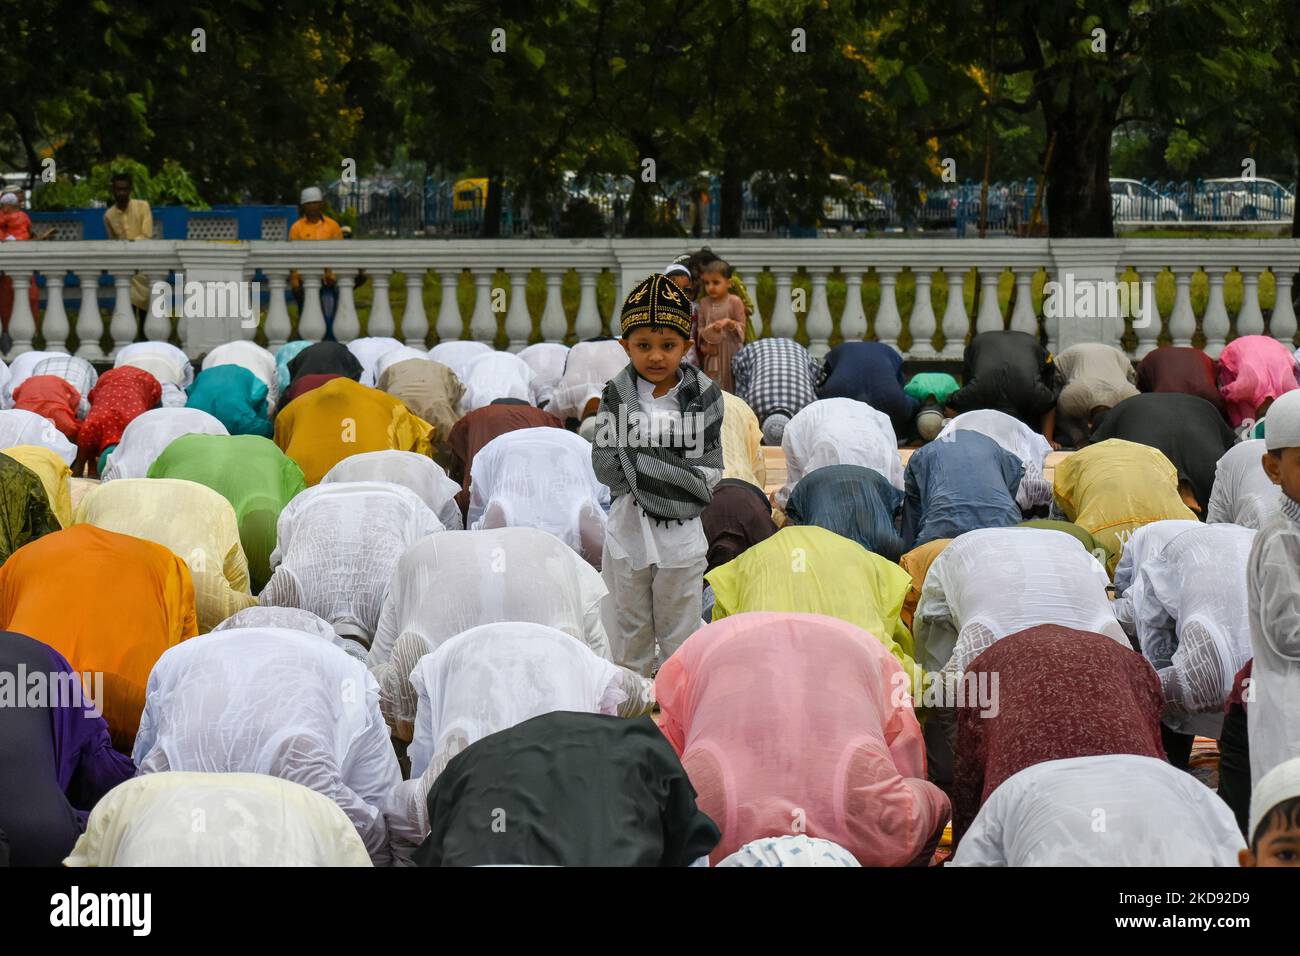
(855, 502)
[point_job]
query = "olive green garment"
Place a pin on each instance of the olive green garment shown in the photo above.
(25, 513)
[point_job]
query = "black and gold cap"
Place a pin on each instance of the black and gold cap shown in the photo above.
(656, 300)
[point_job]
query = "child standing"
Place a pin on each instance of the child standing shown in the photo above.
(658, 446)
(721, 324)
(1273, 579)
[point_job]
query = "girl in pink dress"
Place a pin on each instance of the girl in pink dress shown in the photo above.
(720, 324)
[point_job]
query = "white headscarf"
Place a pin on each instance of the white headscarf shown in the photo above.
(790, 851)
(148, 435)
(409, 469)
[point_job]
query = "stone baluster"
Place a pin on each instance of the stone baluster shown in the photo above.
(921, 321)
(22, 324)
(1250, 320)
(278, 328)
(784, 323)
(158, 328)
(483, 321)
(1146, 321)
(989, 318)
(819, 324)
(122, 325)
(1023, 316)
(1282, 323)
(54, 323)
(587, 324)
(90, 324)
(1215, 322)
(555, 324)
(415, 323)
(889, 323)
(450, 326)
(1182, 320)
(853, 322)
(347, 325)
(311, 321)
(956, 321)
(519, 323)
(380, 321)
(757, 316)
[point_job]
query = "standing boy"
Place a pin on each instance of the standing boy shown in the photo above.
(658, 446)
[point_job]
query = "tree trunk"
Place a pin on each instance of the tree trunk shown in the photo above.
(732, 214)
(491, 225)
(1078, 184)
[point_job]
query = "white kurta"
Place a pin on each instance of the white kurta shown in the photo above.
(496, 375)
(21, 427)
(458, 354)
(164, 361)
(540, 478)
(1273, 712)
(839, 431)
(1243, 493)
(1192, 620)
(291, 619)
(336, 547)
(393, 356)
(1019, 439)
(1145, 543)
(368, 351)
(587, 370)
(1113, 810)
(148, 434)
(249, 819)
(409, 469)
(20, 370)
(223, 704)
(546, 359)
(485, 680)
(250, 356)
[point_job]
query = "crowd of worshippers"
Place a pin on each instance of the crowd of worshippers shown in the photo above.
(460, 606)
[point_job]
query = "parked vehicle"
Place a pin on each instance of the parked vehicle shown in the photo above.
(1238, 198)
(1134, 201)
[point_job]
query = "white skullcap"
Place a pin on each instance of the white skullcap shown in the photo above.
(929, 423)
(1282, 423)
(1278, 785)
(310, 194)
(675, 268)
(790, 851)
(774, 428)
(9, 199)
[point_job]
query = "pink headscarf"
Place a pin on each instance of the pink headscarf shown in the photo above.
(799, 723)
(1253, 369)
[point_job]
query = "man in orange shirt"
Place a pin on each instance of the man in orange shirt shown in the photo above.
(314, 224)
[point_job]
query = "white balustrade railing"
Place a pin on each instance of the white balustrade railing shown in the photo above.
(502, 312)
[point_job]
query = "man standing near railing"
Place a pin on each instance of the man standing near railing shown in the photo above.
(130, 219)
(314, 224)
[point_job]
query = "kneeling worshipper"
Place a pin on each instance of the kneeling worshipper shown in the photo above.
(149, 435)
(869, 372)
(283, 355)
(417, 473)
(495, 375)
(341, 418)
(324, 358)
(169, 365)
(51, 397)
(854, 502)
(1049, 693)
(800, 723)
(1018, 438)
(251, 473)
(392, 357)
(54, 590)
(540, 478)
(1189, 432)
(190, 520)
(1189, 609)
(235, 397)
(1010, 372)
(432, 392)
(1243, 493)
(21, 427)
(20, 370)
(1113, 488)
(450, 582)
(457, 354)
(336, 547)
(917, 563)
(249, 356)
(809, 570)
(738, 517)
(54, 474)
(1253, 371)
(546, 359)
(220, 705)
(293, 619)
(1144, 543)
(838, 431)
(742, 443)
(776, 377)
(73, 369)
(587, 370)
(486, 680)
(1275, 818)
(479, 427)
(1094, 377)
(368, 351)
(1104, 810)
(573, 790)
(24, 507)
(790, 851)
(56, 758)
(1181, 369)
(249, 819)
(970, 600)
(119, 397)
(301, 386)
(956, 484)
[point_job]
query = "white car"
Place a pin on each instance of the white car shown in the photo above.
(1132, 201)
(1238, 198)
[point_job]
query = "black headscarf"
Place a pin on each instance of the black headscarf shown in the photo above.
(1188, 429)
(855, 502)
(738, 517)
(567, 789)
(325, 358)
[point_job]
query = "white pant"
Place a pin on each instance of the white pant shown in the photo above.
(649, 605)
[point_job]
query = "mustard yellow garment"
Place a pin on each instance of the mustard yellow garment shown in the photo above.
(193, 522)
(320, 428)
(1115, 487)
(807, 569)
(917, 563)
(54, 473)
(742, 453)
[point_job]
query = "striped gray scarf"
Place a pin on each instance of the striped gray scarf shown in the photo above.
(666, 483)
